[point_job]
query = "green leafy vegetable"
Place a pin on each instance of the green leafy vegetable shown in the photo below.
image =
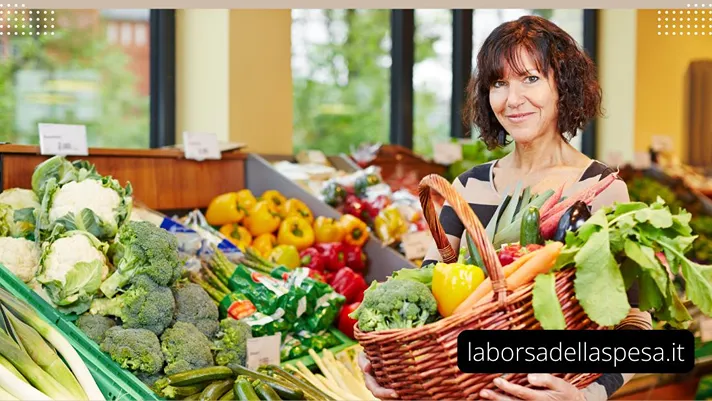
(547, 308)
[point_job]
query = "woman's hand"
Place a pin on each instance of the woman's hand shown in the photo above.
(552, 388)
(379, 392)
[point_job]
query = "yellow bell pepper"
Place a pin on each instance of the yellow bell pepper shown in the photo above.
(229, 207)
(295, 207)
(237, 234)
(296, 231)
(327, 230)
(285, 255)
(264, 244)
(355, 230)
(453, 283)
(276, 198)
(263, 218)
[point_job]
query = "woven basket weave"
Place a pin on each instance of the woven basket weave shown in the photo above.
(421, 363)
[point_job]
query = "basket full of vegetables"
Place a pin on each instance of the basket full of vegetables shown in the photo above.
(550, 264)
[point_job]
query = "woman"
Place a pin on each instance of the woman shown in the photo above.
(535, 85)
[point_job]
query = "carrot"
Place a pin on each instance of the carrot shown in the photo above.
(485, 286)
(542, 261)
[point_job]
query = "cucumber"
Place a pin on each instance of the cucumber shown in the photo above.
(194, 376)
(265, 392)
(529, 232)
(217, 389)
(285, 390)
(244, 390)
(305, 386)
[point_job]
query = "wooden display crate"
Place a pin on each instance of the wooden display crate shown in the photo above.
(162, 179)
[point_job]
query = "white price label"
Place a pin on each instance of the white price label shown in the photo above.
(662, 143)
(63, 139)
(201, 146)
(447, 152)
(416, 244)
(263, 351)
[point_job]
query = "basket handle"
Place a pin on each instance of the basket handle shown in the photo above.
(472, 224)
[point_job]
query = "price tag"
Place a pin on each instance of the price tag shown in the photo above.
(416, 244)
(263, 351)
(63, 139)
(641, 160)
(201, 146)
(447, 153)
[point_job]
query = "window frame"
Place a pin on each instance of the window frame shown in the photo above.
(162, 40)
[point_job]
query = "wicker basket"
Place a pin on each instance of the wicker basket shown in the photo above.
(421, 363)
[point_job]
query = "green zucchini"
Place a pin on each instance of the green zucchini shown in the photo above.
(529, 233)
(244, 390)
(229, 396)
(265, 392)
(285, 390)
(305, 386)
(193, 397)
(194, 376)
(217, 389)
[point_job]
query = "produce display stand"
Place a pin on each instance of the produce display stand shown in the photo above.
(162, 179)
(113, 381)
(261, 176)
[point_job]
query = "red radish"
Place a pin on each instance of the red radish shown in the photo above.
(587, 195)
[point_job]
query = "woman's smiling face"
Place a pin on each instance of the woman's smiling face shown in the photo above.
(524, 101)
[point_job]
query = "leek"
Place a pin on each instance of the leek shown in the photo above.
(4, 362)
(57, 340)
(42, 380)
(45, 356)
(4, 395)
(18, 388)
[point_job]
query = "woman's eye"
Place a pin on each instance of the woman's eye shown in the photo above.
(531, 79)
(499, 84)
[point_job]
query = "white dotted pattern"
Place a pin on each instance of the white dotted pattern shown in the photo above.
(16, 21)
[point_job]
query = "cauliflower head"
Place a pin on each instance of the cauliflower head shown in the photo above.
(72, 266)
(20, 256)
(17, 212)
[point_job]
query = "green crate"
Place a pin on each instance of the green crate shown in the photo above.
(308, 361)
(113, 381)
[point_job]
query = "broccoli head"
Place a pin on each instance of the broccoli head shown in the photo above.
(145, 305)
(143, 249)
(137, 350)
(396, 304)
(194, 305)
(231, 343)
(185, 348)
(95, 326)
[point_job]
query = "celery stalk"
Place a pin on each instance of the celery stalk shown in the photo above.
(45, 356)
(57, 340)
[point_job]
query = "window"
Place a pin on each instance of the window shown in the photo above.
(432, 79)
(341, 75)
(89, 67)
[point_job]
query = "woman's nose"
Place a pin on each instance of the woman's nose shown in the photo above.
(515, 96)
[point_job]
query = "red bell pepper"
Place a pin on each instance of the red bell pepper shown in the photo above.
(333, 253)
(313, 259)
(359, 208)
(346, 324)
(349, 284)
(355, 257)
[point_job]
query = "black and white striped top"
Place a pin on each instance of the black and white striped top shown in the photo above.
(477, 188)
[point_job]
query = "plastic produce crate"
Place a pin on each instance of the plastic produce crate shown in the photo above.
(113, 381)
(308, 361)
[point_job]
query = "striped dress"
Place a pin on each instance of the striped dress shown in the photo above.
(477, 188)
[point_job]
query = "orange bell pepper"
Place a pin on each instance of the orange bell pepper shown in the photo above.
(295, 207)
(355, 230)
(327, 230)
(264, 244)
(263, 218)
(237, 234)
(296, 231)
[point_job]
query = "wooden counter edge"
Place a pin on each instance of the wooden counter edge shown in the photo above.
(120, 152)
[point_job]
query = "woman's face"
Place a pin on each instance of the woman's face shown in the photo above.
(525, 104)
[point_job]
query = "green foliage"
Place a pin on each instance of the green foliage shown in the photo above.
(122, 118)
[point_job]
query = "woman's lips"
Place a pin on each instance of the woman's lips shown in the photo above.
(519, 117)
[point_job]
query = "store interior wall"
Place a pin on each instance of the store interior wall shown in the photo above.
(243, 56)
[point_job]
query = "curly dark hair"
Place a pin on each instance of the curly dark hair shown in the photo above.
(553, 50)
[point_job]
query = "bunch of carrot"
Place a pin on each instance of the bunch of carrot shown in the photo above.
(518, 273)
